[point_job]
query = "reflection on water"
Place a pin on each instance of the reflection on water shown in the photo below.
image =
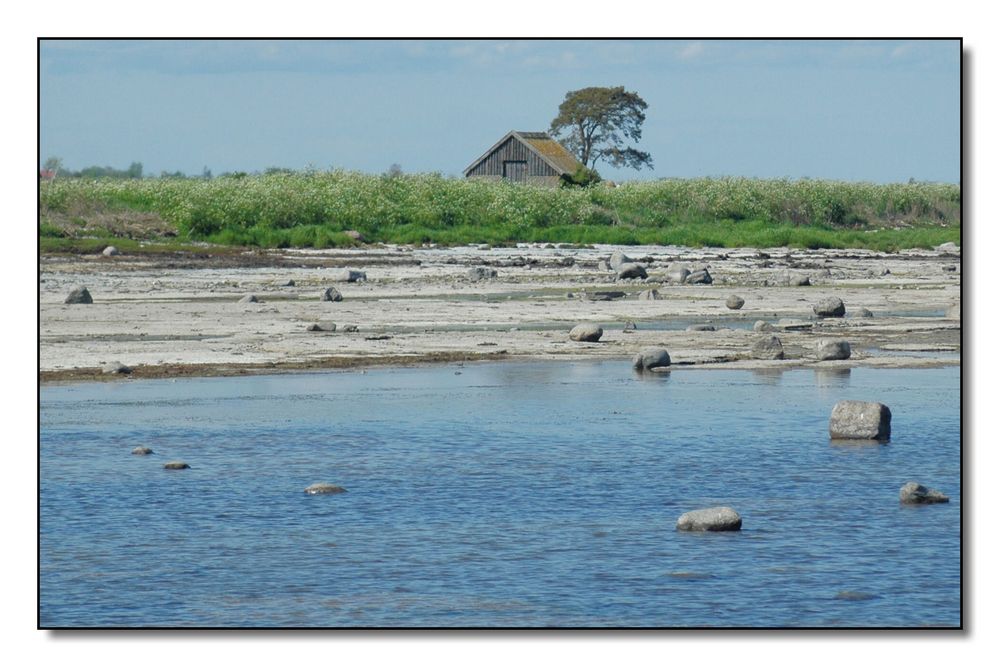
(768, 376)
(832, 377)
(514, 494)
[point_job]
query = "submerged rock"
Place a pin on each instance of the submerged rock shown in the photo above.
(318, 489)
(860, 420)
(142, 451)
(735, 302)
(602, 296)
(79, 294)
(864, 312)
(651, 358)
(586, 333)
(768, 347)
(831, 349)
(829, 307)
(912, 493)
(710, 519)
(176, 465)
(701, 327)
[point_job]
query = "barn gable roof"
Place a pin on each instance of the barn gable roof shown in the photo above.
(541, 144)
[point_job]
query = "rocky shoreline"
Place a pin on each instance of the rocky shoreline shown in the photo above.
(183, 316)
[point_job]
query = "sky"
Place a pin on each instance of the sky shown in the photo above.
(882, 111)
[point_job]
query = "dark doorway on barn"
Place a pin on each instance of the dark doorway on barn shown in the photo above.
(515, 170)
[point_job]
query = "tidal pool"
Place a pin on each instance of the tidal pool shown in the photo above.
(502, 494)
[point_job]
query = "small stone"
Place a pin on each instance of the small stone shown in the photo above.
(351, 328)
(912, 493)
(864, 312)
(767, 348)
(651, 358)
(331, 294)
(586, 333)
(142, 451)
(762, 327)
(860, 420)
(482, 273)
(829, 307)
(79, 295)
(284, 283)
(602, 265)
(710, 519)
(176, 465)
(629, 327)
(250, 298)
(950, 268)
(832, 349)
(110, 251)
(319, 489)
(948, 247)
(701, 327)
(322, 326)
(602, 296)
(115, 367)
(734, 302)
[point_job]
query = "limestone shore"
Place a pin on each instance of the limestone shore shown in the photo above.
(182, 315)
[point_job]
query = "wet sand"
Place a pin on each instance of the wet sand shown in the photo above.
(180, 315)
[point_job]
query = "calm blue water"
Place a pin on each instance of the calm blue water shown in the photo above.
(511, 494)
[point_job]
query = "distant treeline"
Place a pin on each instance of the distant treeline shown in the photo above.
(315, 209)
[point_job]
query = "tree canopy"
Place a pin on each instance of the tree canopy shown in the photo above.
(596, 123)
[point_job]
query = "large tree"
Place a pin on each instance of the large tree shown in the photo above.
(594, 123)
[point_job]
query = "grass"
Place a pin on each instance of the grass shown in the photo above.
(316, 209)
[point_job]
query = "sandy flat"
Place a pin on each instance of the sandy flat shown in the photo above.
(180, 315)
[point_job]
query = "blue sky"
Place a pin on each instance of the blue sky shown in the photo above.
(880, 111)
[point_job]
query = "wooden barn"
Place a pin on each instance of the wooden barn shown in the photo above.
(526, 157)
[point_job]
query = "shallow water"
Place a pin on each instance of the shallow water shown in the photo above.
(503, 494)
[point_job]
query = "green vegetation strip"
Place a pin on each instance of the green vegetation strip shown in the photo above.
(317, 209)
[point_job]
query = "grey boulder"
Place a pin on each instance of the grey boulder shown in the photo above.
(110, 251)
(710, 519)
(832, 349)
(176, 465)
(79, 295)
(829, 307)
(650, 358)
(586, 333)
(322, 326)
(481, 273)
(115, 368)
(912, 493)
(864, 312)
(860, 420)
(702, 277)
(618, 259)
(734, 302)
(701, 327)
(761, 326)
(768, 347)
(797, 279)
(649, 295)
(348, 275)
(626, 271)
(678, 274)
(250, 298)
(142, 451)
(331, 294)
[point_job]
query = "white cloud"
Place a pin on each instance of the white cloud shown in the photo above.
(692, 51)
